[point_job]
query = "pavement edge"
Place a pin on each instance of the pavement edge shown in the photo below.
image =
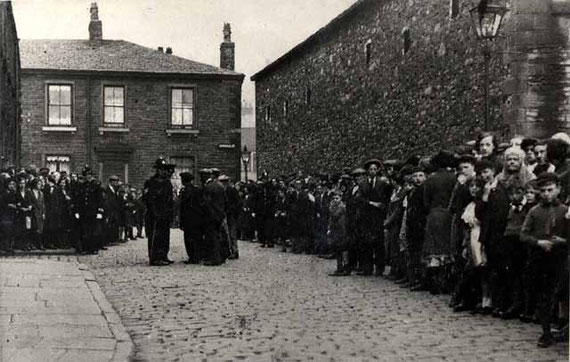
(125, 346)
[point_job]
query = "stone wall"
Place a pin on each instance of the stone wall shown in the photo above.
(218, 104)
(9, 87)
(408, 96)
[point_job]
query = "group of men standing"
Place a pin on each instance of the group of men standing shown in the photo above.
(208, 216)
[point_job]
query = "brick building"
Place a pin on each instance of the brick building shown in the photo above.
(117, 106)
(390, 78)
(9, 87)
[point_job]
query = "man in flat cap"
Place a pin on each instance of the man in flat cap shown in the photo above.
(192, 218)
(376, 191)
(113, 209)
(215, 202)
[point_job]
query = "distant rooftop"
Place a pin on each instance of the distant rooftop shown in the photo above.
(108, 56)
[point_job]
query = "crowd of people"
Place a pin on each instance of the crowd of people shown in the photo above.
(486, 224)
(42, 210)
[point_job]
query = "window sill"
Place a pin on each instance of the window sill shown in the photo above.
(59, 129)
(187, 131)
(102, 130)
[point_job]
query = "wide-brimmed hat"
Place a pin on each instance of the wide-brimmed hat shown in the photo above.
(372, 161)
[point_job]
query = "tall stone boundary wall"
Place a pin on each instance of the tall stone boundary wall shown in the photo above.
(538, 56)
(401, 102)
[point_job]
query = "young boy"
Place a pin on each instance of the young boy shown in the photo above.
(336, 234)
(545, 230)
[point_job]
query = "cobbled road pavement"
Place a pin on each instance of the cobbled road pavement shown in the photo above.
(273, 306)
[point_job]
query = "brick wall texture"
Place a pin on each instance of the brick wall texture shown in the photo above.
(399, 102)
(147, 102)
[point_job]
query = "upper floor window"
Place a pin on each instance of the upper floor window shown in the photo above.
(308, 95)
(59, 105)
(286, 108)
(268, 113)
(114, 104)
(453, 8)
(182, 107)
(368, 52)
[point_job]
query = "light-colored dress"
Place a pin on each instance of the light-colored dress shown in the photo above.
(475, 250)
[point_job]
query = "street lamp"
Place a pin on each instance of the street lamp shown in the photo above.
(487, 18)
(245, 158)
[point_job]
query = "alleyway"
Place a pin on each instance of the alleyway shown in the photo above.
(270, 306)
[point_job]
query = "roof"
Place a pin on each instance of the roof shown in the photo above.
(108, 56)
(320, 36)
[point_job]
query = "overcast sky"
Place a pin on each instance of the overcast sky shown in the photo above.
(262, 29)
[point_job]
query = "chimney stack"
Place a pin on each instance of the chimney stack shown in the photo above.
(227, 49)
(95, 26)
(161, 49)
(169, 50)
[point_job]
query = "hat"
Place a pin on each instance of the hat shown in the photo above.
(372, 161)
(159, 163)
(114, 178)
(87, 171)
(358, 171)
(44, 171)
(170, 166)
(224, 178)
(547, 177)
(414, 169)
(412, 160)
(443, 159)
(186, 176)
(562, 136)
(485, 164)
(528, 142)
(466, 158)
(205, 171)
(345, 176)
(216, 171)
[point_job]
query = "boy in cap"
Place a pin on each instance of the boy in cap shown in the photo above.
(545, 229)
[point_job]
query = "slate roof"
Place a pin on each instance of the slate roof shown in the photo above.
(108, 56)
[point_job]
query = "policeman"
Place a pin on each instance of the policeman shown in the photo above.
(89, 211)
(192, 218)
(160, 205)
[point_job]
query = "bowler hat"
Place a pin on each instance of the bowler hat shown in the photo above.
(372, 161)
(114, 178)
(205, 171)
(159, 163)
(466, 158)
(528, 142)
(87, 171)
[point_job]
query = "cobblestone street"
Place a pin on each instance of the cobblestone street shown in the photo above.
(271, 306)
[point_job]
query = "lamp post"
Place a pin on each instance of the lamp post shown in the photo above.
(487, 18)
(245, 158)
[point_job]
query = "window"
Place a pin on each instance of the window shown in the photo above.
(114, 104)
(453, 8)
(308, 95)
(59, 105)
(286, 108)
(182, 112)
(268, 113)
(368, 52)
(58, 163)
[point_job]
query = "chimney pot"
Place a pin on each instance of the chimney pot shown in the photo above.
(95, 25)
(169, 50)
(161, 49)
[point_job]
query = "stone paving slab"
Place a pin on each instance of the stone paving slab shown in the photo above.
(52, 310)
(270, 306)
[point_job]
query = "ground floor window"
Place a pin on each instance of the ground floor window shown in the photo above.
(59, 163)
(183, 164)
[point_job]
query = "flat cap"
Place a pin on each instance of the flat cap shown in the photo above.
(114, 178)
(224, 178)
(546, 178)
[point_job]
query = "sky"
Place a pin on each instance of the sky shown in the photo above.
(262, 30)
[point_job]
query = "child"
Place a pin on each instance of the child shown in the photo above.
(337, 234)
(515, 255)
(545, 230)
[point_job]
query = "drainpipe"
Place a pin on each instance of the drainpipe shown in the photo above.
(88, 143)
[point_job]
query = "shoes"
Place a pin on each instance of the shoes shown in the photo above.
(379, 273)
(339, 273)
(211, 263)
(159, 263)
(270, 245)
(545, 341)
(284, 250)
(405, 285)
(497, 313)
(262, 246)
(104, 248)
(418, 288)
(232, 257)
(486, 310)
(525, 318)
(364, 273)
(190, 262)
(509, 314)
(461, 307)
(168, 261)
(401, 281)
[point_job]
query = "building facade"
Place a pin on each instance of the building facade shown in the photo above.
(391, 78)
(117, 106)
(9, 88)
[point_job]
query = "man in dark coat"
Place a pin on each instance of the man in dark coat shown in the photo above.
(376, 191)
(160, 203)
(264, 209)
(233, 207)
(192, 218)
(215, 202)
(300, 217)
(89, 211)
(113, 209)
